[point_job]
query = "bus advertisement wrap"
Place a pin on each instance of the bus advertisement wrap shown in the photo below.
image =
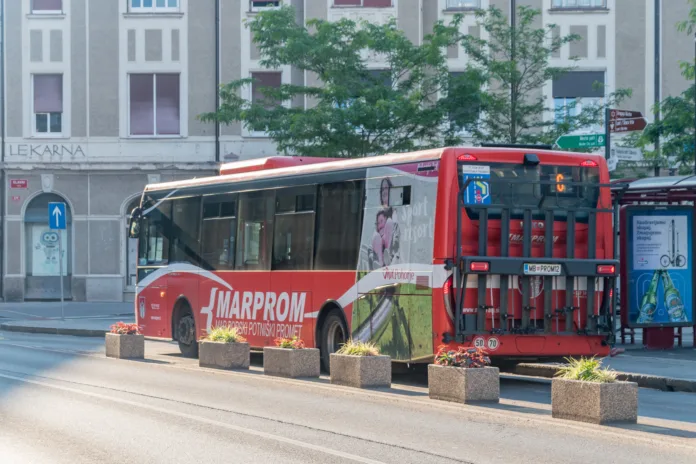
(397, 240)
(660, 272)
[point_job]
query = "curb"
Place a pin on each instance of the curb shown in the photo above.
(54, 331)
(654, 382)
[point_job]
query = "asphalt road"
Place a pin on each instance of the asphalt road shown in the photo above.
(62, 401)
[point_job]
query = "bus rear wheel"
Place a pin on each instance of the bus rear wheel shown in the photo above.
(186, 335)
(334, 333)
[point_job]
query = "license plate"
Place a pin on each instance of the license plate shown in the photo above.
(542, 269)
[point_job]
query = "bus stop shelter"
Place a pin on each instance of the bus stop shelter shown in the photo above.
(654, 193)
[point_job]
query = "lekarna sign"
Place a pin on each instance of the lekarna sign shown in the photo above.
(627, 154)
(56, 216)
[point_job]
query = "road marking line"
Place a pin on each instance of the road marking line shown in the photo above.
(236, 428)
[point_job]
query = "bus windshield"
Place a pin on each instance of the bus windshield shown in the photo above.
(537, 187)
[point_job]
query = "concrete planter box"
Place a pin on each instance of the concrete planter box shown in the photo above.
(360, 371)
(125, 346)
(597, 403)
(224, 355)
(464, 385)
(286, 362)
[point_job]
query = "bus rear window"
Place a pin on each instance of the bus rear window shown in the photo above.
(536, 187)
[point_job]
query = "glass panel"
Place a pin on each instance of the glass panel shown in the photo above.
(339, 223)
(142, 111)
(147, 3)
(255, 230)
(155, 231)
(377, 3)
(168, 104)
(185, 226)
(293, 241)
(42, 123)
(47, 5)
(347, 2)
(219, 243)
(48, 93)
(160, 3)
(262, 80)
(136, 3)
(173, 3)
(56, 122)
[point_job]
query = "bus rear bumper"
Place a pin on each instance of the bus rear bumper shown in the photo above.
(538, 346)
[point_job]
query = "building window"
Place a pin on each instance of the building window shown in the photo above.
(462, 4)
(154, 105)
(575, 91)
(365, 3)
(154, 6)
(48, 104)
(260, 5)
(47, 6)
(263, 80)
(572, 4)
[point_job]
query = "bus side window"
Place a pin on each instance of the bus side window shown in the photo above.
(255, 230)
(339, 225)
(185, 239)
(219, 232)
(293, 235)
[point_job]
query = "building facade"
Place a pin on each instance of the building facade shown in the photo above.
(101, 97)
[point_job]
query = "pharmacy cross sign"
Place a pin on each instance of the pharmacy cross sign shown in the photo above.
(56, 216)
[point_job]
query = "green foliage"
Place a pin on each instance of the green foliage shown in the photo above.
(514, 106)
(353, 348)
(351, 111)
(586, 370)
(225, 334)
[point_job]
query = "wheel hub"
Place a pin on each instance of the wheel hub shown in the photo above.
(336, 337)
(186, 330)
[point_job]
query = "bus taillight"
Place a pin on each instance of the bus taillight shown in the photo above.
(606, 269)
(466, 157)
(481, 266)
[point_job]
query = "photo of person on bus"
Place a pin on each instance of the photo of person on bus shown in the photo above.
(385, 239)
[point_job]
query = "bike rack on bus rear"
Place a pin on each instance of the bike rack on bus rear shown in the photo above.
(506, 266)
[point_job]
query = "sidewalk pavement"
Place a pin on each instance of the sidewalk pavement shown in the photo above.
(52, 310)
(673, 370)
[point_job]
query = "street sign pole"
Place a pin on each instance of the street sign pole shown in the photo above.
(60, 265)
(57, 221)
(607, 133)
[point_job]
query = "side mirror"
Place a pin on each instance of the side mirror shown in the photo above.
(134, 226)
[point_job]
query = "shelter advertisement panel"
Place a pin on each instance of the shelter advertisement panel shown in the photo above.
(659, 267)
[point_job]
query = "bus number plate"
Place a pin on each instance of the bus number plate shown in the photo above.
(542, 269)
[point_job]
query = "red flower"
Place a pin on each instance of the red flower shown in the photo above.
(123, 328)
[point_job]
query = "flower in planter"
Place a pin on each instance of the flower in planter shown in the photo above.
(586, 370)
(353, 348)
(293, 343)
(225, 334)
(123, 328)
(462, 357)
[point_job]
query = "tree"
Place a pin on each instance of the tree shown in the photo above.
(354, 112)
(515, 64)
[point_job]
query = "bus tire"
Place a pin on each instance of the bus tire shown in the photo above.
(334, 333)
(186, 333)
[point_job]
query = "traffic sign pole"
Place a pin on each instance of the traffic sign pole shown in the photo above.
(57, 220)
(607, 133)
(60, 265)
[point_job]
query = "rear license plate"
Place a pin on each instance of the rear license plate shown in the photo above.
(542, 269)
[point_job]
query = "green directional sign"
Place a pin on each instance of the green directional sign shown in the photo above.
(581, 141)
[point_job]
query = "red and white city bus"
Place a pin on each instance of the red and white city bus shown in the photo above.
(509, 249)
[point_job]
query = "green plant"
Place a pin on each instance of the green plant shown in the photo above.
(353, 348)
(225, 334)
(293, 343)
(586, 370)
(124, 328)
(462, 357)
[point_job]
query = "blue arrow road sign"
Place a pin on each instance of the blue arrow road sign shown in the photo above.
(56, 216)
